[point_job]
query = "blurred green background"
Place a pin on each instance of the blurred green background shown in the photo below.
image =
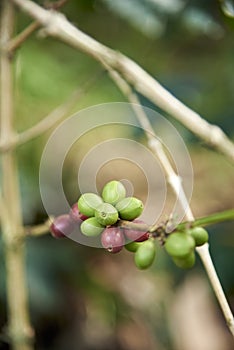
(83, 298)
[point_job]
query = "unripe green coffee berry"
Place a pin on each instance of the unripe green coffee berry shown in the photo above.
(106, 214)
(129, 208)
(133, 246)
(145, 255)
(179, 244)
(200, 235)
(187, 262)
(88, 202)
(91, 227)
(113, 192)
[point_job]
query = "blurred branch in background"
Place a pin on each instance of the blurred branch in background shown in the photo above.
(52, 118)
(19, 328)
(57, 26)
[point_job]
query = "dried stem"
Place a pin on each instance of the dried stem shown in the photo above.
(153, 142)
(176, 184)
(16, 42)
(19, 329)
(58, 26)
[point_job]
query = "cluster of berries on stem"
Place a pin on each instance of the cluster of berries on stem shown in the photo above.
(104, 216)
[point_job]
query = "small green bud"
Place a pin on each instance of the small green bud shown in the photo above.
(179, 244)
(113, 192)
(106, 214)
(200, 235)
(145, 255)
(129, 208)
(88, 202)
(91, 227)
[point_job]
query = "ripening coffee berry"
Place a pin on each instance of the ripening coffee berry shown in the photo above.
(187, 262)
(91, 227)
(136, 235)
(132, 246)
(200, 235)
(76, 215)
(106, 214)
(88, 202)
(179, 244)
(129, 208)
(112, 239)
(62, 226)
(145, 254)
(113, 192)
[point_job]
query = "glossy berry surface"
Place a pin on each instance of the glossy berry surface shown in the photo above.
(145, 255)
(88, 202)
(106, 214)
(136, 235)
(112, 239)
(113, 192)
(129, 208)
(200, 235)
(179, 244)
(91, 227)
(62, 226)
(76, 215)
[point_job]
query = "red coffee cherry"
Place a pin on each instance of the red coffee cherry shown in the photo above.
(112, 239)
(62, 226)
(76, 215)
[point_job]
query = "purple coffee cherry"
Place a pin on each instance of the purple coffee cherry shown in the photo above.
(135, 235)
(62, 226)
(112, 239)
(76, 215)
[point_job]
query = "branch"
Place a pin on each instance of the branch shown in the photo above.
(174, 180)
(58, 26)
(52, 118)
(19, 329)
(38, 230)
(153, 142)
(17, 41)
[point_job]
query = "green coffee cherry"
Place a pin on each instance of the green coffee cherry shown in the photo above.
(91, 227)
(179, 244)
(133, 246)
(113, 192)
(88, 202)
(200, 235)
(145, 255)
(106, 214)
(187, 262)
(129, 208)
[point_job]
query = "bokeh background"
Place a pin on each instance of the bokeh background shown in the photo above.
(84, 298)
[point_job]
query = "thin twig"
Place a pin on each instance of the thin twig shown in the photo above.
(176, 184)
(58, 26)
(52, 118)
(153, 142)
(17, 41)
(38, 230)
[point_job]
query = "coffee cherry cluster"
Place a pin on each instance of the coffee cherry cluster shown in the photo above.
(100, 216)
(105, 211)
(181, 245)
